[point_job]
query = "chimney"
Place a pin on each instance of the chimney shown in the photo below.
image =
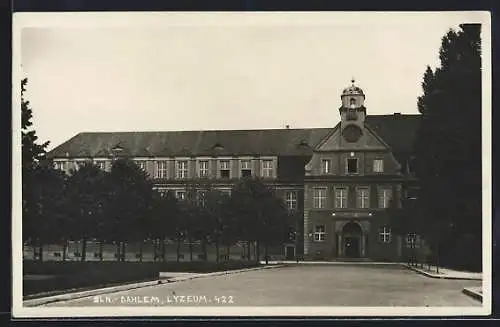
(397, 114)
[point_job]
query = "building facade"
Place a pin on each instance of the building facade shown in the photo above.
(338, 180)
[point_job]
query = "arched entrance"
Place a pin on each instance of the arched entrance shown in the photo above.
(351, 236)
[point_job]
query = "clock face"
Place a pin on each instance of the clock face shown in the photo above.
(352, 133)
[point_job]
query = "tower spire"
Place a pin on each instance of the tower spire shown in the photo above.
(353, 80)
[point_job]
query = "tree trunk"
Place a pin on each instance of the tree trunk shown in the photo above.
(257, 251)
(248, 250)
(228, 251)
(65, 249)
(163, 250)
(118, 250)
(217, 252)
(141, 245)
(437, 258)
(123, 252)
(84, 249)
(205, 252)
(266, 253)
(40, 251)
(154, 250)
(101, 251)
(178, 250)
(190, 249)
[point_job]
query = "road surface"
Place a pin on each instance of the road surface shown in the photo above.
(299, 285)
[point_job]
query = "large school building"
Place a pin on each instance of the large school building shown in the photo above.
(340, 179)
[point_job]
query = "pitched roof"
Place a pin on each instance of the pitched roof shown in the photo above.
(193, 143)
(397, 131)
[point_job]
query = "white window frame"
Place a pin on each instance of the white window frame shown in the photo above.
(347, 165)
(385, 234)
(291, 200)
(326, 166)
(378, 165)
(142, 164)
(267, 168)
(319, 233)
(161, 169)
(203, 168)
(245, 164)
(178, 193)
(319, 198)
(341, 197)
(384, 197)
(182, 172)
(412, 239)
(60, 165)
(224, 164)
(202, 198)
(101, 164)
(363, 197)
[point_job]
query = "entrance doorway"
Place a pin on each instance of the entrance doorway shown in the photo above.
(351, 234)
(290, 252)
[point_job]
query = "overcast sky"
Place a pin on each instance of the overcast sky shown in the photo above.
(238, 71)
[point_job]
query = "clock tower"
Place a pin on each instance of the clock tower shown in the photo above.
(352, 113)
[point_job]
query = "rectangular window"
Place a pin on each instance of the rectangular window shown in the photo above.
(384, 197)
(267, 168)
(319, 198)
(181, 195)
(246, 168)
(319, 233)
(203, 168)
(59, 165)
(141, 164)
(412, 241)
(202, 198)
(225, 193)
(378, 166)
(384, 235)
(182, 169)
(101, 164)
(363, 197)
(161, 169)
(224, 169)
(352, 166)
(341, 197)
(326, 166)
(291, 200)
(162, 193)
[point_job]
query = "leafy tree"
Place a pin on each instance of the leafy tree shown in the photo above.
(44, 207)
(448, 143)
(88, 190)
(256, 205)
(130, 202)
(164, 218)
(32, 152)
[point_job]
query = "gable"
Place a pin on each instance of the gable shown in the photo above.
(369, 140)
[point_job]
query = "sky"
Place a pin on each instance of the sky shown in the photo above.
(127, 72)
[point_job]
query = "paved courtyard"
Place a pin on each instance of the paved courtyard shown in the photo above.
(300, 285)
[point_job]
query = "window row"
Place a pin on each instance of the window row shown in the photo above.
(352, 166)
(181, 168)
(384, 234)
(341, 197)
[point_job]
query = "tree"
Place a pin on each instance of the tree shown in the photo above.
(130, 202)
(257, 207)
(32, 152)
(44, 207)
(448, 143)
(165, 216)
(88, 191)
